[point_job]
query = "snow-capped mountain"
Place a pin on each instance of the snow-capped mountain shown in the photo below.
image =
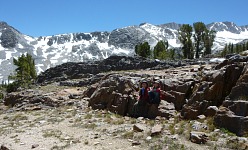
(49, 51)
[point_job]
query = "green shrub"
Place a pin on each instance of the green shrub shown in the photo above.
(12, 87)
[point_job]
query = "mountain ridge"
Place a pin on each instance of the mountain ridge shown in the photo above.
(49, 51)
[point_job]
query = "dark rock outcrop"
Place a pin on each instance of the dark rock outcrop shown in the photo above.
(113, 63)
(37, 99)
(8, 38)
(229, 120)
(233, 115)
(214, 87)
(118, 94)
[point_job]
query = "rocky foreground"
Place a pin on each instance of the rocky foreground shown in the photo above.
(89, 106)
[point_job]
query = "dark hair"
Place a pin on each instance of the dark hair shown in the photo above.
(144, 82)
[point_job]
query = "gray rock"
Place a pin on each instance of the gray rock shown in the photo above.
(34, 146)
(198, 137)
(139, 127)
(157, 129)
(3, 147)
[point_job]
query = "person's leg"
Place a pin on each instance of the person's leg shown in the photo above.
(135, 109)
(156, 99)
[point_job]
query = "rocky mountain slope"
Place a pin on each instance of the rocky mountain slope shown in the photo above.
(50, 51)
(203, 106)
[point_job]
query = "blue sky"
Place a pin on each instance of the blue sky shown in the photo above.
(48, 17)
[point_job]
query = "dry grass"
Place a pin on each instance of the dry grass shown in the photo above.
(128, 134)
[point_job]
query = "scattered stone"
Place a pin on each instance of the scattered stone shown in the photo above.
(134, 143)
(97, 143)
(3, 147)
(198, 137)
(148, 138)
(127, 118)
(34, 146)
(198, 126)
(175, 137)
(138, 127)
(211, 111)
(201, 117)
(140, 118)
(157, 129)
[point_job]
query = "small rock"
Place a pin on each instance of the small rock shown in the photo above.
(201, 117)
(3, 147)
(158, 118)
(135, 143)
(211, 111)
(148, 138)
(157, 129)
(175, 137)
(22, 143)
(198, 137)
(69, 110)
(217, 130)
(140, 118)
(127, 118)
(96, 143)
(34, 146)
(42, 121)
(138, 127)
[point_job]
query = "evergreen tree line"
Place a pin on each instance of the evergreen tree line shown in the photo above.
(231, 48)
(160, 51)
(197, 44)
(193, 45)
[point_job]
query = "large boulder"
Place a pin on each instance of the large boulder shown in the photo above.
(212, 90)
(177, 98)
(240, 90)
(115, 93)
(239, 107)
(234, 112)
(164, 109)
(194, 110)
(234, 123)
(118, 93)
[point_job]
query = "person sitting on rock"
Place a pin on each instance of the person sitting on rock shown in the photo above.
(143, 93)
(139, 108)
(155, 93)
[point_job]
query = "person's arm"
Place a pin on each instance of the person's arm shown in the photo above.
(159, 92)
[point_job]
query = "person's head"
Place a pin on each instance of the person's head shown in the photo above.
(144, 84)
(156, 84)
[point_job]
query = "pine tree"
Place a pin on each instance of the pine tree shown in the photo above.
(244, 48)
(224, 51)
(208, 40)
(199, 28)
(143, 49)
(185, 34)
(237, 49)
(246, 45)
(25, 70)
(232, 49)
(172, 53)
(159, 51)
